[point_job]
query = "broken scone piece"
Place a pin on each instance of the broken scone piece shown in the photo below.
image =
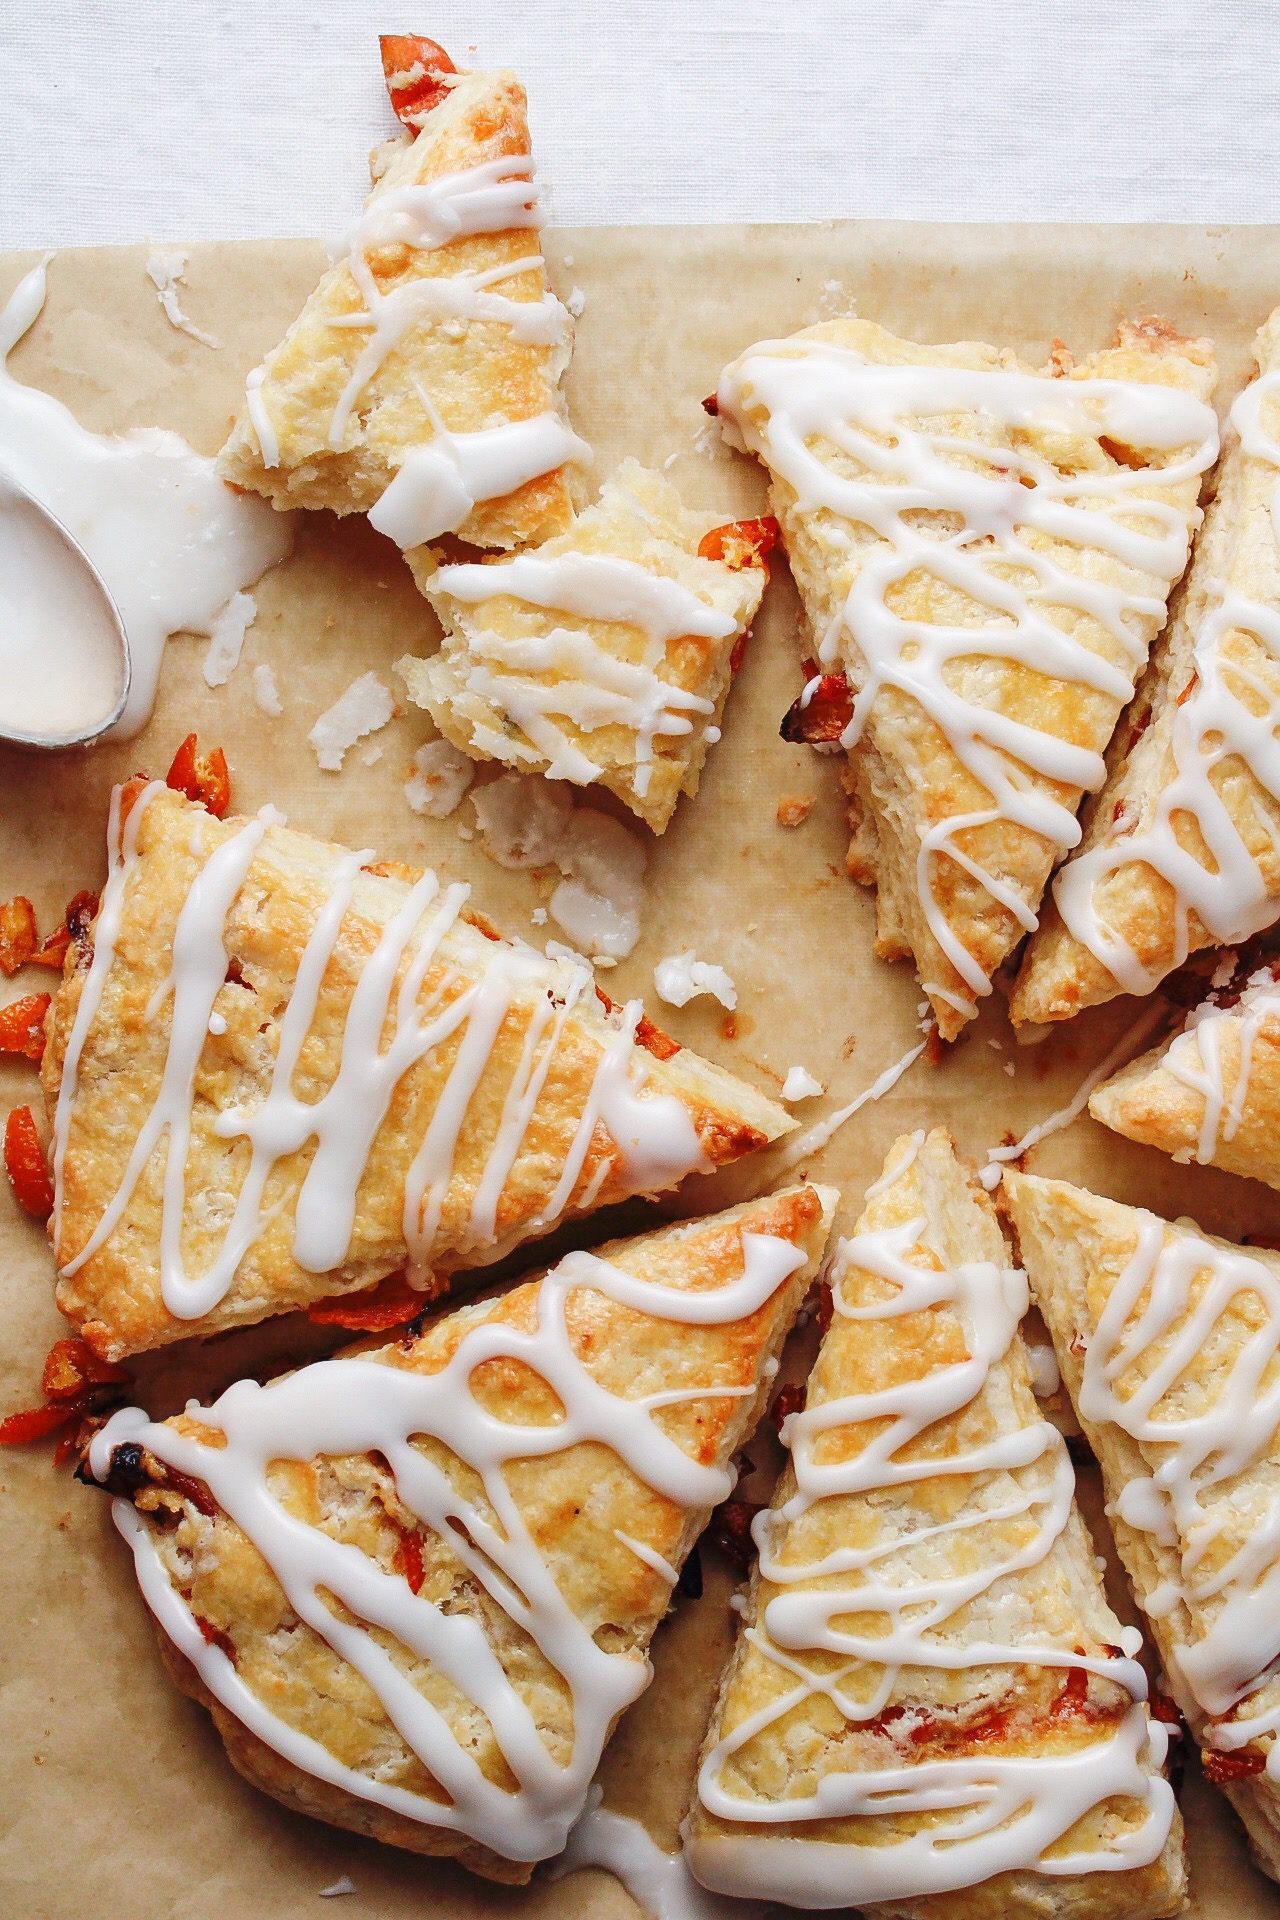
(1212, 1092)
(1182, 847)
(606, 656)
(984, 554)
(932, 1712)
(416, 1585)
(1169, 1343)
(277, 1071)
(420, 383)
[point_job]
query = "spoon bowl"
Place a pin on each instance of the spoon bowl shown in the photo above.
(64, 653)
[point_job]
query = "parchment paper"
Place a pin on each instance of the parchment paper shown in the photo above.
(116, 1802)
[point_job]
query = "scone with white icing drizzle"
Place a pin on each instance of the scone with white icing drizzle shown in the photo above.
(1211, 1092)
(278, 1072)
(419, 384)
(416, 1586)
(1169, 1344)
(606, 656)
(1181, 848)
(932, 1710)
(985, 554)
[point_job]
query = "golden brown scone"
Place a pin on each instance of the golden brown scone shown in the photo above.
(1167, 1340)
(1181, 848)
(474, 1092)
(575, 662)
(541, 1566)
(985, 674)
(972, 1570)
(1210, 1093)
(315, 433)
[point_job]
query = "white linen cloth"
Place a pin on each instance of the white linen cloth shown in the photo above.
(173, 120)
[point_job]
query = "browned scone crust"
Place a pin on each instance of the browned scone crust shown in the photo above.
(115, 1297)
(476, 379)
(571, 1501)
(905, 777)
(1160, 1098)
(1074, 1246)
(1060, 975)
(641, 519)
(933, 1713)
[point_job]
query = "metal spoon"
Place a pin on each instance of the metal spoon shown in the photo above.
(48, 549)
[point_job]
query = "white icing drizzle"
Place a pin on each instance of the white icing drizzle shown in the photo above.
(172, 543)
(1125, 1047)
(1144, 1372)
(354, 1406)
(883, 1619)
(653, 1135)
(1215, 725)
(659, 1882)
(814, 1138)
(818, 390)
(1194, 1058)
(592, 686)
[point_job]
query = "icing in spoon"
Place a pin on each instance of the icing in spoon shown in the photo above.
(64, 653)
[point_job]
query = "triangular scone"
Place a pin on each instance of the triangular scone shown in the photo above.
(419, 384)
(416, 1586)
(928, 1712)
(605, 656)
(984, 553)
(1169, 1343)
(1181, 848)
(1212, 1092)
(278, 1073)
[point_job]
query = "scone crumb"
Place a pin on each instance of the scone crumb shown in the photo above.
(265, 692)
(527, 820)
(226, 638)
(794, 809)
(438, 779)
(366, 706)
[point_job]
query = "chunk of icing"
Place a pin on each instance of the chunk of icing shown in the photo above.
(352, 1406)
(1230, 715)
(991, 550)
(653, 1137)
(172, 542)
(1007, 1812)
(438, 484)
(565, 674)
(1178, 1297)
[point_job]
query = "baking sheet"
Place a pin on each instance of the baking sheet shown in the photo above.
(115, 1797)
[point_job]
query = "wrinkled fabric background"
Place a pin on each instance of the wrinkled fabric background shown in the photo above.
(144, 119)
